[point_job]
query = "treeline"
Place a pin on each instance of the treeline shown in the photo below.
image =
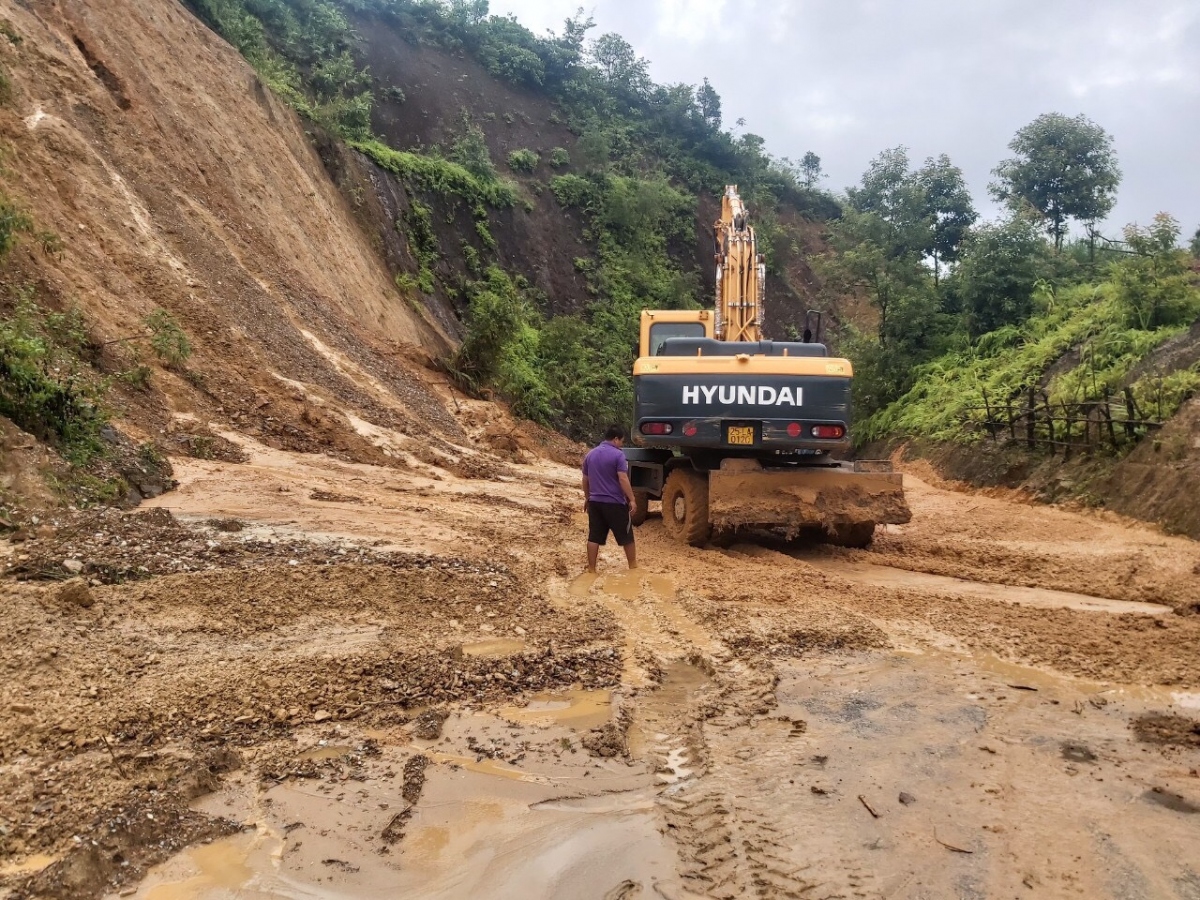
(644, 151)
(966, 310)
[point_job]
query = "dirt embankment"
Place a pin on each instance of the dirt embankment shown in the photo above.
(175, 180)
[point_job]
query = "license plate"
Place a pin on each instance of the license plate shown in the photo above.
(740, 435)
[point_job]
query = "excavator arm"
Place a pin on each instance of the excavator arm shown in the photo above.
(741, 273)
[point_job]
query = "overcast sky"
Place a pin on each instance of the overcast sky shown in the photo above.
(849, 78)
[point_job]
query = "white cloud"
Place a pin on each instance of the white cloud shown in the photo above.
(691, 21)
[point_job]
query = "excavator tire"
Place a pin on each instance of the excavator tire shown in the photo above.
(641, 507)
(858, 535)
(685, 507)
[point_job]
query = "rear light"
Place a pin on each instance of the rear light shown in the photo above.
(656, 428)
(827, 431)
(689, 430)
(794, 430)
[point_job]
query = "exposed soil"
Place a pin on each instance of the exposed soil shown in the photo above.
(410, 669)
(352, 654)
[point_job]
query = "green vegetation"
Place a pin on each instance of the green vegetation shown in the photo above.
(442, 176)
(522, 160)
(167, 339)
(304, 52)
(1013, 311)
(45, 388)
(958, 308)
(1081, 340)
(1064, 169)
(644, 151)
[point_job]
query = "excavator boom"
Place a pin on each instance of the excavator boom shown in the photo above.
(741, 273)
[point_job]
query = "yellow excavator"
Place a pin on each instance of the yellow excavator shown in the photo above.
(736, 432)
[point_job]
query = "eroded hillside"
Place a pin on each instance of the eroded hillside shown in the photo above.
(175, 181)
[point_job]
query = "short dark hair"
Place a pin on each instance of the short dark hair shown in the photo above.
(614, 432)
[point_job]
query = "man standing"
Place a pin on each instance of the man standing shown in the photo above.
(608, 497)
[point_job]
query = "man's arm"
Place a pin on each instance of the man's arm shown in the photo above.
(627, 489)
(586, 493)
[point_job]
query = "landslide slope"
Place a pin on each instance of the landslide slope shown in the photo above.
(175, 180)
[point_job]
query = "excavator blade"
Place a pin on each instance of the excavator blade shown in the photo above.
(836, 499)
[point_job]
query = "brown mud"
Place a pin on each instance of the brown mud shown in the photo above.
(304, 677)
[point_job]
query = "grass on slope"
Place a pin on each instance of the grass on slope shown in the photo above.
(1078, 347)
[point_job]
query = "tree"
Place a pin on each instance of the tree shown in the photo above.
(948, 208)
(810, 169)
(709, 102)
(895, 199)
(1194, 246)
(620, 65)
(1153, 283)
(468, 13)
(997, 275)
(1065, 168)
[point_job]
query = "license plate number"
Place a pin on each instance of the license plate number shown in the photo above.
(740, 435)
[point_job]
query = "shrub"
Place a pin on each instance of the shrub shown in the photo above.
(43, 388)
(167, 339)
(559, 158)
(574, 191)
(522, 160)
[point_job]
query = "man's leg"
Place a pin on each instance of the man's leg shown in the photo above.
(593, 556)
(631, 554)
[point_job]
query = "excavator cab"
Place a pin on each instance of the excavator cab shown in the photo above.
(658, 326)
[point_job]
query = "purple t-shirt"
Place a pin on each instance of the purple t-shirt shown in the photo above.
(601, 466)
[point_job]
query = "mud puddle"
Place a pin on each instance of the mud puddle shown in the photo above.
(665, 722)
(579, 709)
(886, 576)
(567, 826)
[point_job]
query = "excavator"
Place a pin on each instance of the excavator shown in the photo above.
(734, 432)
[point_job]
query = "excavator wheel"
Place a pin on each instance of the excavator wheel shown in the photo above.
(641, 507)
(685, 507)
(858, 535)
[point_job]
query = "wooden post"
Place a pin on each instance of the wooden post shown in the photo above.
(1030, 423)
(987, 411)
(1012, 426)
(1049, 420)
(1112, 432)
(1131, 414)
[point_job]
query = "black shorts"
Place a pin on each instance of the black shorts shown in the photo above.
(606, 517)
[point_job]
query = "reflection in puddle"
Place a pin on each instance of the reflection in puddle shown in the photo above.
(495, 647)
(580, 709)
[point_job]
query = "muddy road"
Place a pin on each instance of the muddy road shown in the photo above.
(302, 678)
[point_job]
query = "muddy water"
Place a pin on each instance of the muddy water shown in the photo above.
(27, 866)
(563, 825)
(580, 709)
(886, 576)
